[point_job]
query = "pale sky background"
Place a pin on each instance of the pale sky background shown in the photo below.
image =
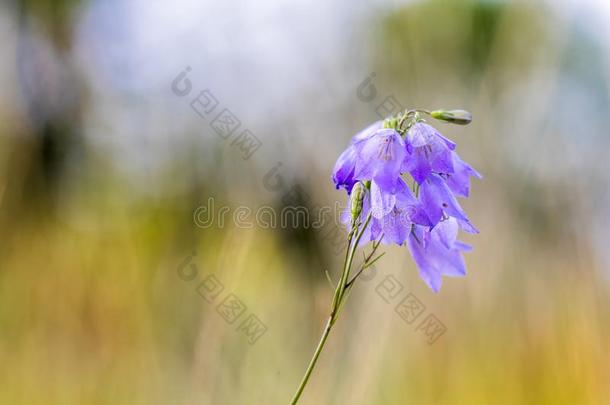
(268, 61)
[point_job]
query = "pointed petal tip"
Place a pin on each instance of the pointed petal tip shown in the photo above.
(468, 227)
(464, 247)
(434, 282)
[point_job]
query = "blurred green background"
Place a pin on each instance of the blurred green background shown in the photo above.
(103, 167)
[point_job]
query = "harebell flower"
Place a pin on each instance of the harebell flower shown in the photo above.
(402, 179)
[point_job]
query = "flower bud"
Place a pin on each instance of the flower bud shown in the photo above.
(460, 117)
(391, 122)
(356, 200)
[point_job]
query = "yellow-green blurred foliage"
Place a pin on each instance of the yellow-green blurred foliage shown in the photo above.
(93, 309)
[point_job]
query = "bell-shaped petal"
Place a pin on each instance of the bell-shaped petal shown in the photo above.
(397, 212)
(438, 200)
(447, 232)
(367, 132)
(459, 180)
(429, 152)
(406, 202)
(380, 157)
(382, 201)
(343, 173)
(421, 134)
(397, 223)
(428, 223)
(395, 227)
(436, 258)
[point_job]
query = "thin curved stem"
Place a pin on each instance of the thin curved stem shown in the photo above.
(348, 265)
(336, 304)
(312, 362)
(367, 260)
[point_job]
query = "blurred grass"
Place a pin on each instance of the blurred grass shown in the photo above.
(92, 309)
(96, 313)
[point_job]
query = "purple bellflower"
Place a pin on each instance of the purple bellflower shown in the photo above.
(402, 178)
(392, 214)
(437, 252)
(429, 152)
(374, 154)
(427, 219)
(343, 173)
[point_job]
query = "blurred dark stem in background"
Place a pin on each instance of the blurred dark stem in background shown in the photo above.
(52, 94)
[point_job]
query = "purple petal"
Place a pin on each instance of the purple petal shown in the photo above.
(418, 165)
(450, 144)
(367, 132)
(429, 151)
(440, 158)
(438, 198)
(454, 264)
(427, 271)
(343, 173)
(420, 135)
(447, 232)
(406, 202)
(459, 181)
(382, 201)
(434, 259)
(464, 247)
(380, 157)
(395, 226)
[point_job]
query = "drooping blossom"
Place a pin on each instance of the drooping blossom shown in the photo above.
(459, 180)
(396, 213)
(392, 215)
(374, 154)
(429, 152)
(379, 158)
(382, 156)
(343, 173)
(383, 208)
(437, 252)
(439, 201)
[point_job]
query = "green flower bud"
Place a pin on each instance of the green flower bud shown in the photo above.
(460, 117)
(391, 122)
(356, 200)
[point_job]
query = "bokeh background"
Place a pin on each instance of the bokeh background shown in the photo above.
(103, 165)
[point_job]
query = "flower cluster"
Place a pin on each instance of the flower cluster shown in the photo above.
(411, 176)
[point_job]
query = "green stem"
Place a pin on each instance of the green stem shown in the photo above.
(337, 300)
(348, 265)
(314, 359)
